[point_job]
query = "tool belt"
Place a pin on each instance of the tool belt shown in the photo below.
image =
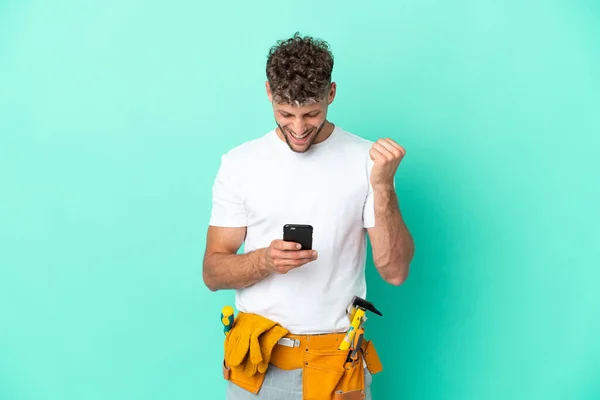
(328, 373)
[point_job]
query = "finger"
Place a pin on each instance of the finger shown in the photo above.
(374, 154)
(297, 254)
(400, 148)
(286, 257)
(385, 153)
(394, 150)
(283, 245)
(392, 142)
(396, 145)
(378, 153)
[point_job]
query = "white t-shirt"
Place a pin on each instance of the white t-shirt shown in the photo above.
(263, 185)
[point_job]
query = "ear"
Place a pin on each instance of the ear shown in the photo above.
(269, 93)
(332, 92)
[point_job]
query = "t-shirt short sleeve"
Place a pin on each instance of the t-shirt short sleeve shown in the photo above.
(228, 208)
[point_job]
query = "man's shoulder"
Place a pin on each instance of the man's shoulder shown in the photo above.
(354, 140)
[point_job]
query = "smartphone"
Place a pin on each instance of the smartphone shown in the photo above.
(298, 233)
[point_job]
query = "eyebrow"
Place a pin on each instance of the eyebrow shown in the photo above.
(310, 112)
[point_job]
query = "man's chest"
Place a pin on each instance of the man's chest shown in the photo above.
(305, 193)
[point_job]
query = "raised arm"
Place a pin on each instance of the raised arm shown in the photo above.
(392, 244)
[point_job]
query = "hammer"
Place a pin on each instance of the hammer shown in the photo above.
(357, 312)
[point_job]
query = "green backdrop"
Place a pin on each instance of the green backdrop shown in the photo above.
(113, 117)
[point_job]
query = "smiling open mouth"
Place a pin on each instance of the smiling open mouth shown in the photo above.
(300, 138)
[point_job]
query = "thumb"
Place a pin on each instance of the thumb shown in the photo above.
(374, 154)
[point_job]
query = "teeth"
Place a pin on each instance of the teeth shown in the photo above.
(301, 137)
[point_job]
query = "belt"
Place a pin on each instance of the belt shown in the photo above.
(288, 342)
(292, 349)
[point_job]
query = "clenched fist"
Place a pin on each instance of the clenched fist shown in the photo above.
(386, 155)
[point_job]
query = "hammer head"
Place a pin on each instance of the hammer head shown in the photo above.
(364, 304)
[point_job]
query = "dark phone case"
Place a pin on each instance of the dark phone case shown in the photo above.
(300, 234)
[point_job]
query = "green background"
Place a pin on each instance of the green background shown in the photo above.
(113, 117)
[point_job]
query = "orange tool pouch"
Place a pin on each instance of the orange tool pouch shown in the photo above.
(326, 372)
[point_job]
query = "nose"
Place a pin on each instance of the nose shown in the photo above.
(299, 127)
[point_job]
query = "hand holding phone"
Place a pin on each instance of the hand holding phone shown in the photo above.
(289, 253)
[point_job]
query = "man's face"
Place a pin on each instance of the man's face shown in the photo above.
(301, 125)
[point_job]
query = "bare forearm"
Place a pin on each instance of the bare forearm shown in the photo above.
(391, 242)
(234, 271)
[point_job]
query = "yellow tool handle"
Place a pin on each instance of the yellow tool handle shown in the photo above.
(349, 338)
(227, 318)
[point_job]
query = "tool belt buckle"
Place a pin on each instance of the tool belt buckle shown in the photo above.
(289, 342)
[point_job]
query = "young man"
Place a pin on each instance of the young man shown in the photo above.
(292, 302)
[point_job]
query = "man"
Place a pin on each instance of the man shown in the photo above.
(306, 171)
